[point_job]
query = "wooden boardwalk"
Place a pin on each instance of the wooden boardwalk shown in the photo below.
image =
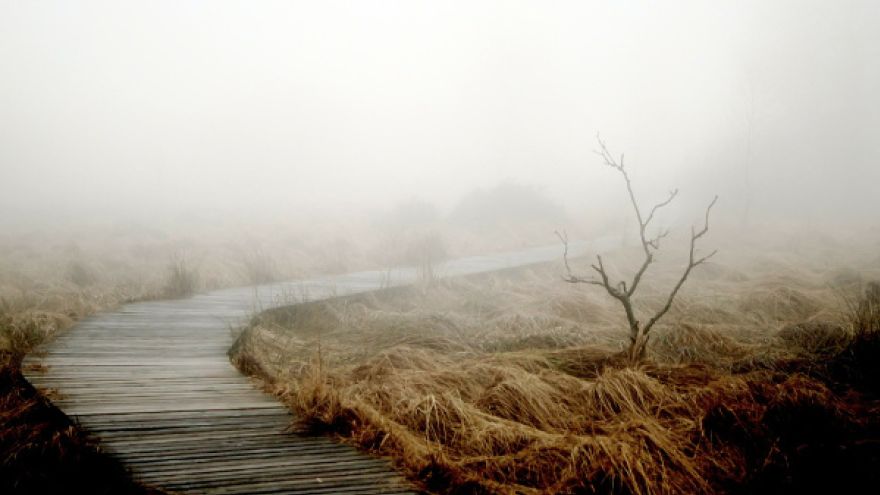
(153, 383)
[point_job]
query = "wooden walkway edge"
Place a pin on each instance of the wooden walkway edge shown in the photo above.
(153, 383)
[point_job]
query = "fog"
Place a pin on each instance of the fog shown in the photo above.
(151, 110)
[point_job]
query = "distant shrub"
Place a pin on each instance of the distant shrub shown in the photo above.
(424, 252)
(80, 274)
(410, 213)
(505, 204)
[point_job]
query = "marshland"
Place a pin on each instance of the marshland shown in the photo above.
(701, 180)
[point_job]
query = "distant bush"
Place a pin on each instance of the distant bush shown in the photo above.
(425, 252)
(80, 274)
(505, 204)
(409, 214)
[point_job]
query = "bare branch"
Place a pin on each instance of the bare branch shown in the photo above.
(580, 280)
(570, 277)
(704, 258)
(706, 224)
(564, 238)
(672, 194)
(649, 258)
(655, 242)
(600, 269)
(607, 156)
(691, 264)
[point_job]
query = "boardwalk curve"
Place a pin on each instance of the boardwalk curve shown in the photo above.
(153, 383)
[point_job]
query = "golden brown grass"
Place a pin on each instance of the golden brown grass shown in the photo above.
(514, 384)
(51, 278)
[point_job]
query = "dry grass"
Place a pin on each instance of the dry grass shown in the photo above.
(514, 384)
(51, 278)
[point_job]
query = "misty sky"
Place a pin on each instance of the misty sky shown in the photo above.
(165, 106)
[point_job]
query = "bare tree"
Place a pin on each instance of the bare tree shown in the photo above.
(623, 291)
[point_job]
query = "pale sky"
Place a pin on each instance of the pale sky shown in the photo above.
(174, 105)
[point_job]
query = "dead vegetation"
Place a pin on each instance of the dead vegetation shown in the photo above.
(623, 292)
(183, 279)
(514, 384)
(45, 286)
(51, 278)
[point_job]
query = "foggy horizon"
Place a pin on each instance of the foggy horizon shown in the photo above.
(439, 247)
(116, 110)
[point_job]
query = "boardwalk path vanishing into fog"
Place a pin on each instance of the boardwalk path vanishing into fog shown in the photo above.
(153, 383)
